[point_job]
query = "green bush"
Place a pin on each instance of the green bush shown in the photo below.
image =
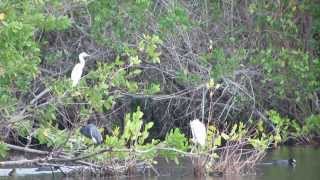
(312, 125)
(20, 51)
(294, 73)
(123, 18)
(175, 140)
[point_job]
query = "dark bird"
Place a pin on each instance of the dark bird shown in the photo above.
(92, 132)
(282, 162)
(13, 172)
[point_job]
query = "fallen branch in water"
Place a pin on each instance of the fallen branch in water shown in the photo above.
(22, 162)
(66, 159)
(27, 150)
(58, 159)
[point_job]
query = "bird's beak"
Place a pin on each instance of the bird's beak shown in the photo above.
(88, 57)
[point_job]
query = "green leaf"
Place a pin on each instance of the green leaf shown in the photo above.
(135, 60)
(3, 150)
(174, 139)
(225, 136)
(217, 141)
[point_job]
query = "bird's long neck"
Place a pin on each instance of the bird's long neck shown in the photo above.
(82, 61)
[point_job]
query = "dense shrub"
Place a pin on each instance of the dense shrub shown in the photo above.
(218, 60)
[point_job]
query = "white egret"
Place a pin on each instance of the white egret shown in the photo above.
(199, 133)
(77, 70)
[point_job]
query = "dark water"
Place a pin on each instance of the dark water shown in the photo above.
(307, 168)
(308, 164)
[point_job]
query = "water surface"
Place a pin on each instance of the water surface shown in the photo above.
(307, 168)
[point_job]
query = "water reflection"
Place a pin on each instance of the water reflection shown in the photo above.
(307, 168)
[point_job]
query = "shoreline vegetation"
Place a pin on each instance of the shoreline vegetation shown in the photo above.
(248, 70)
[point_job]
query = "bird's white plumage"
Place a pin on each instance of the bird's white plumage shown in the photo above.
(76, 73)
(92, 137)
(78, 68)
(199, 133)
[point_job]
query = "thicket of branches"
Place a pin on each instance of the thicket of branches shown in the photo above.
(220, 61)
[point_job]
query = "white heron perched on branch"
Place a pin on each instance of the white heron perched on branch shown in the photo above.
(78, 68)
(199, 133)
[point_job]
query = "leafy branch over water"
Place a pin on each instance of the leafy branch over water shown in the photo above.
(131, 148)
